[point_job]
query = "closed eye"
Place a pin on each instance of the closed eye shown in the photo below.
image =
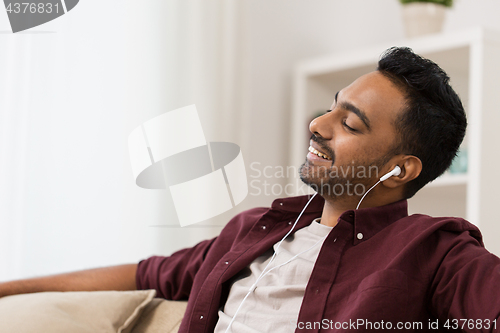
(349, 127)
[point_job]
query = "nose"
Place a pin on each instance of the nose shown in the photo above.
(321, 126)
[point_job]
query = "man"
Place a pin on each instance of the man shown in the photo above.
(341, 268)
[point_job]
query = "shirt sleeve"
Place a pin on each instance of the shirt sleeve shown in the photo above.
(172, 277)
(466, 284)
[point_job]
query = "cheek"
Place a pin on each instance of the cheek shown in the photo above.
(349, 149)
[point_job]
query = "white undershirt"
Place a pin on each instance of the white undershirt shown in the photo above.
(274, 305)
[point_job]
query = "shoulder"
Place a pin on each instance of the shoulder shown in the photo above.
(446, 227)
(281, 210)
(243, 222)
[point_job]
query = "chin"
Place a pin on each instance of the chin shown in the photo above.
(306, 173)
(327, 187)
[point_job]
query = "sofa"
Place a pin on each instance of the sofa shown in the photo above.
(85, 312)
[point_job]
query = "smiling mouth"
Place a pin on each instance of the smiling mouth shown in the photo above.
(314, 151)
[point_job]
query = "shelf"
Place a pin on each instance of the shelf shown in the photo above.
(449, 180)
(446, 200)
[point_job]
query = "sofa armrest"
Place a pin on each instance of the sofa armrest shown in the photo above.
(162, 316)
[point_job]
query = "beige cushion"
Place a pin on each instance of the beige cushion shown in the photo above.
(75, 312)
(161, 316)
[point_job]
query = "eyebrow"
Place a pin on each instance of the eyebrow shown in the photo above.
(361, 114)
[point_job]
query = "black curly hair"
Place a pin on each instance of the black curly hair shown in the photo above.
(433, 123)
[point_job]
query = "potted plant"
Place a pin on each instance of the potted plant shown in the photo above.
(423, 17)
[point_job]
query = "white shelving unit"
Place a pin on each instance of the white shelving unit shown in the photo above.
(472, 60)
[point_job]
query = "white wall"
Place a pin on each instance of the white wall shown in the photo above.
(77, 83)
(71, 91)
(74, 88)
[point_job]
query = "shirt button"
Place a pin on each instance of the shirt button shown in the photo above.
(360, 236)
(281, 204)
(201, 317)
(263, 227)
(227, 262)
(290, 223)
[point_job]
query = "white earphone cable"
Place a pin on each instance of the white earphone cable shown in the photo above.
(364, 195)
(395, 172)
(264, 273)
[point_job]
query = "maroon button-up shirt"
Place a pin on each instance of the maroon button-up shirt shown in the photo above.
(379, 269)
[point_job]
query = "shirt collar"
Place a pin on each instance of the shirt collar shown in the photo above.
(369, 221)
(366, 221)
(296, 204)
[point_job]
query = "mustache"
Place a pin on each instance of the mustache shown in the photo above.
(324, 147)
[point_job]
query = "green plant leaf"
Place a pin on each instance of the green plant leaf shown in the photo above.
(447, 3)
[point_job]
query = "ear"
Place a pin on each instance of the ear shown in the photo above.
(410, 165)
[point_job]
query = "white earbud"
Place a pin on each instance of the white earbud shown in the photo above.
(395, 172)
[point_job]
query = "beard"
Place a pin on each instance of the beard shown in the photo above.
(336, 182)
(325, 180)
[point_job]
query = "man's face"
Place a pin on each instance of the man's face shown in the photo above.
(354, 139)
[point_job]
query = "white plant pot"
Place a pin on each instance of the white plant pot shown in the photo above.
(422, 18)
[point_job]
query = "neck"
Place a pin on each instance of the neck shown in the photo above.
(334, 208)
(332, 211)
